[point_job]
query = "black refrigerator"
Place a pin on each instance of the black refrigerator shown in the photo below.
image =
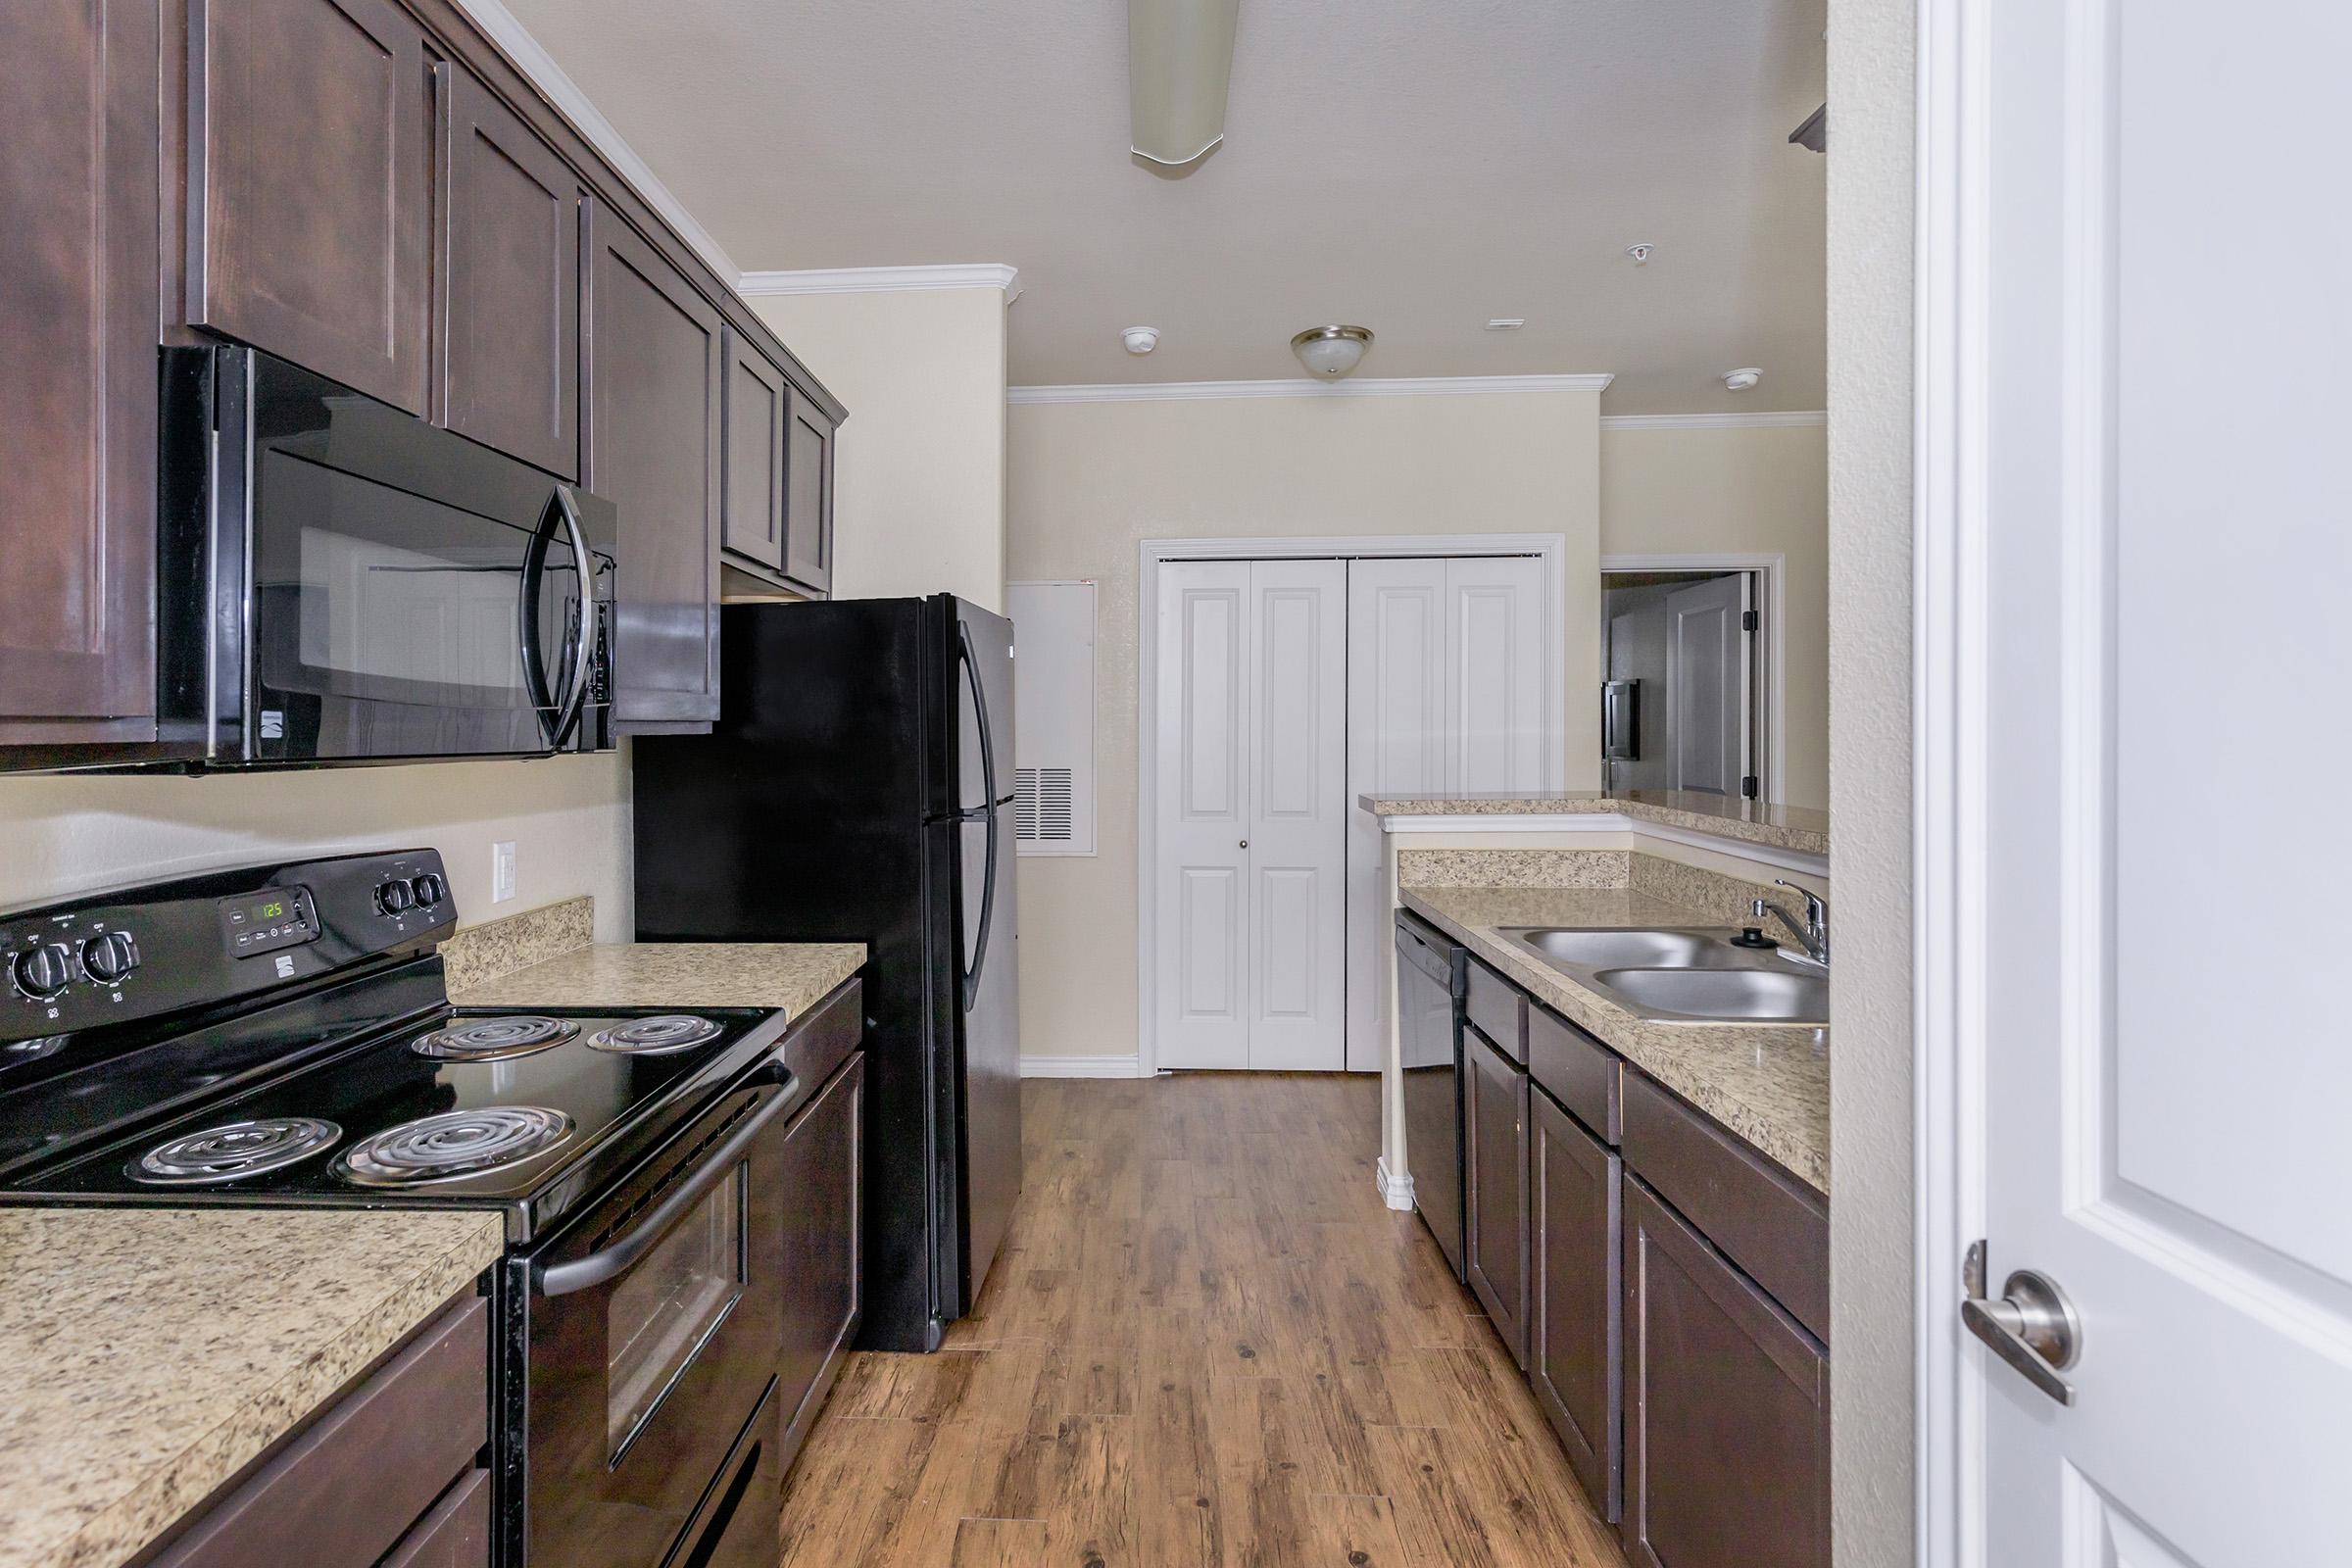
(858, 788)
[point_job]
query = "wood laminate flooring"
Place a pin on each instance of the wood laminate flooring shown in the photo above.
(1204, 1343)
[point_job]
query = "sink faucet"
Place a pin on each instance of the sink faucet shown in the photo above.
(1814, 932)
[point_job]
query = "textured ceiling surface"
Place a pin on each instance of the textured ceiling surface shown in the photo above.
(1417, 167)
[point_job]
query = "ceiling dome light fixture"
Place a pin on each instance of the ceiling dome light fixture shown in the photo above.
(1331, 352)
(1742, 380)
(1139, 339)
(1179, 65)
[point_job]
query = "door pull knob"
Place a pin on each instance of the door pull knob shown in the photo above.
(1244, 844)
(2030, 1324)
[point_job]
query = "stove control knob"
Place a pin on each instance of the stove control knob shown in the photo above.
(42, 972)
(429, 889)
(393, 896)
(107, 958)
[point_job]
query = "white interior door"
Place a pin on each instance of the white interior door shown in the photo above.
(1395, 747)
(1251, 842)
(2164, 314)
(1708, 682)
(1297, 855)
(1500, 677)
(1200, 922)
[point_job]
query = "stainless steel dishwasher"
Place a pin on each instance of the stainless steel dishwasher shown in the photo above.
(1429, 992)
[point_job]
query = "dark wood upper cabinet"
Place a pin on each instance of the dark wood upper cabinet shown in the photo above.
(1494, 1160)
(509, 296)
(1573, 1359)
(808, 507)
(655, 352)
(79, 259)
(758, 407)
(1727, 1409)
(310, 198)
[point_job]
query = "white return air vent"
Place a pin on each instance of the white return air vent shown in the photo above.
(1053, 716)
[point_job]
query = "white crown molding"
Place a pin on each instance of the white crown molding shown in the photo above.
(528, 56)
(884, 279)
(1763, 420)
(1369, 387)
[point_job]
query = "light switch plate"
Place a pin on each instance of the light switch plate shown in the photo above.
(501, 872)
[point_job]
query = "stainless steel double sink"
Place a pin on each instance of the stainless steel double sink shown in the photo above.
(1683, 974)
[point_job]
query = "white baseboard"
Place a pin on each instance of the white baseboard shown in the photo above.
(1394, 1191)
(1080, 1068)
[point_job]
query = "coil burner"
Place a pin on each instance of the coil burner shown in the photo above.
(235, 1150)
(494, 1039)
(654, 1037)
(455, 1143)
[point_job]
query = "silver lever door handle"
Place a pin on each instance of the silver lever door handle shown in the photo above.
(2030, 1325)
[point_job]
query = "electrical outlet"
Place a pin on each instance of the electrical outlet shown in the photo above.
(501, 872)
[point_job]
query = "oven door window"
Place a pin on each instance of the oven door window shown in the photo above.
(667, 1305)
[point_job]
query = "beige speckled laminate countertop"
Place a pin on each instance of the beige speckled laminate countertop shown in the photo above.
(127, 1404)
(792, 975)
(1768, 1083)
(1780, 827)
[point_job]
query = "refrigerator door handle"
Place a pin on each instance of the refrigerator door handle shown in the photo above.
(988, 775)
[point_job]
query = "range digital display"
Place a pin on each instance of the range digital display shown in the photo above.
(268, 920)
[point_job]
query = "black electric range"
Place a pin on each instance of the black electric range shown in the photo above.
(283, 1035)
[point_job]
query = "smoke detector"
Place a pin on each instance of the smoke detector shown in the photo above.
(1139, 339)
(1742, 380)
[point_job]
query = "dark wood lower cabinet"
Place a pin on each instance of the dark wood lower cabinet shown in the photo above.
(1575, 1184)
(385, 1475)
(1494, 1163)
(1727, 1409)
(823, 1156)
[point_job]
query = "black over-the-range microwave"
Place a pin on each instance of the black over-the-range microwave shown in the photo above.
(341, 581)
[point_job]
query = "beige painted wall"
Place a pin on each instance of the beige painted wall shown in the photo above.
(1870, 331)
(1088, 480)
(1698, 488)
(568, 817)
(919, 498)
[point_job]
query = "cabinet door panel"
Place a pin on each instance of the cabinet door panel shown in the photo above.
(758, 411)
(310, 190)
(1727, 1409)
(808, 506)
(655, 352)
(823, 1155)
(510, 282)
(1574, 1185)
(77, 269)
(1494, 1153)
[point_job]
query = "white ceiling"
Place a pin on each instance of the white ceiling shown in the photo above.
(1415, 166)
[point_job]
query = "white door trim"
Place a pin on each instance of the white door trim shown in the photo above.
(1950, 388)
(1772, 686)
(1551, 548)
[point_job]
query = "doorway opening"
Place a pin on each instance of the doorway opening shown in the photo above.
(1691, 663)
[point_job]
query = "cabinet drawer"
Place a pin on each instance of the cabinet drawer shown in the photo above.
(1578, 1071)
(455, 1535)
(1764, 1221)
(383, 1453)
(1499, 1009)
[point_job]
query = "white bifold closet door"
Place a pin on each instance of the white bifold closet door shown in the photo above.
(1452, 691)
(1249, 903)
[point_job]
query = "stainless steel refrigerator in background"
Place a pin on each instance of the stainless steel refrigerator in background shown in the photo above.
(858, 788)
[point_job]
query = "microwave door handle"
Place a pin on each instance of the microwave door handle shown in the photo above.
(584, 642)
(609, 1263)
(534, 667)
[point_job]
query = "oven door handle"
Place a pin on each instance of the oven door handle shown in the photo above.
(609, 1263)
